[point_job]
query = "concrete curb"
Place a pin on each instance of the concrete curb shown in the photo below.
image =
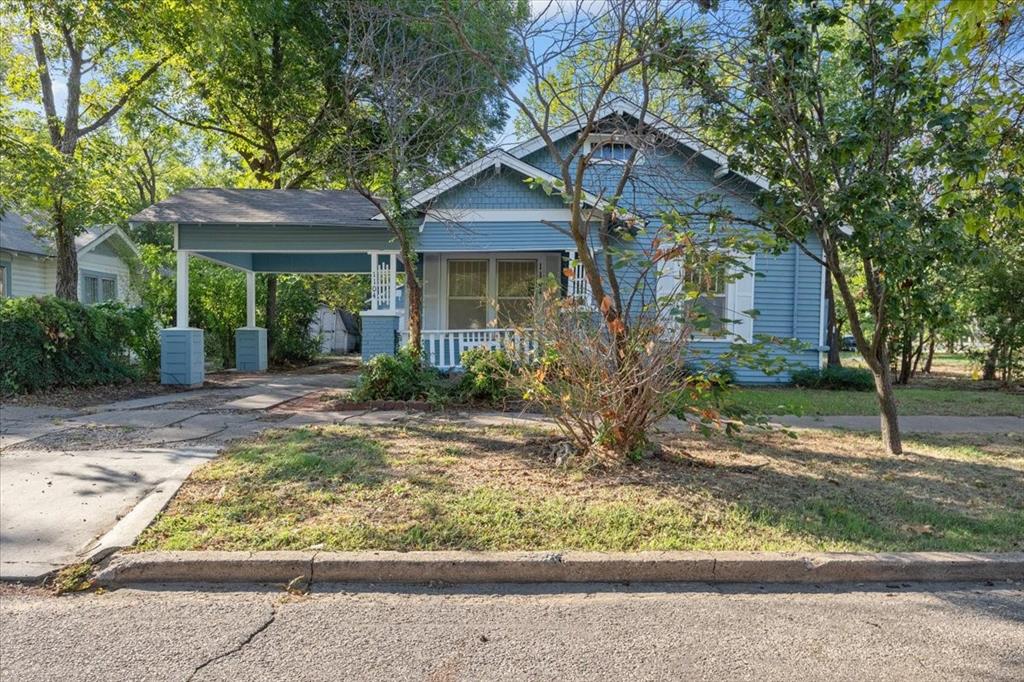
(534, 567)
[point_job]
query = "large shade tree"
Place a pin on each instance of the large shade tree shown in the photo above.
(76, 65)
(260, 77)
(845, 108)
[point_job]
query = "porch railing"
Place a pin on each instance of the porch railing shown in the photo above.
(443, 348)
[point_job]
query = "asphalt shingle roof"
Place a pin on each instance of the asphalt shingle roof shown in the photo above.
(15, 235)
(263, 206)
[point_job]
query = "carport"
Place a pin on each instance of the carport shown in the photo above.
(274, 231)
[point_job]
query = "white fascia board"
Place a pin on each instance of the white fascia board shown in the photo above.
(113, 230)
(497, 215)
(622, 106)
(493, 159)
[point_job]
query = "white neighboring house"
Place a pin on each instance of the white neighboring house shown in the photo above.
(28, 265)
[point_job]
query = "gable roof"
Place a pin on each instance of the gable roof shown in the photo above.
(324, 207)
(496, 158)
(513, 157)
(16, 235)
(622, 107)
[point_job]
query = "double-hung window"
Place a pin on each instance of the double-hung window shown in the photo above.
(489, 292)
(98, 287)
(713, 300)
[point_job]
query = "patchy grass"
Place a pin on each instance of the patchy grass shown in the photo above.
(912, 400)
(73, 578)
(428, 486)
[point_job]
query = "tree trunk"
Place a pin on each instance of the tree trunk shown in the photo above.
(67, 258)
(906, 358)
(271, 313)
(917, 354)
(413, 310)
(833, 339)
(931, 355)
(988, 371)
(891, 440)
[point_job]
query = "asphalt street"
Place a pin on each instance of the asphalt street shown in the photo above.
(564, 632)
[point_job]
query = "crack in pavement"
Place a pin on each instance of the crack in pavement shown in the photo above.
(241, 645)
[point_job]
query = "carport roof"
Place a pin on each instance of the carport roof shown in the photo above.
(327, 207)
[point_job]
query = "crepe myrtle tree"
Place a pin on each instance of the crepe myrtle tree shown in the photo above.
(416, 107)
(616, 365)
(846, 109)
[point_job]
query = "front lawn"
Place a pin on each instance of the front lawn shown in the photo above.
(912, 400)
(431, 486)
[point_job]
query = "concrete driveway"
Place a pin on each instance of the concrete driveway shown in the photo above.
(77, 482)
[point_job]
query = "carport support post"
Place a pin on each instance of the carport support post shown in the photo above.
(181, 347)
(250, 340)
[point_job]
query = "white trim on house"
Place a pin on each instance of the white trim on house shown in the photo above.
(597, 140)
(670, 130)
(492, 258)
(739, 298)
(497, 215)
(496, 158)
(111, 231)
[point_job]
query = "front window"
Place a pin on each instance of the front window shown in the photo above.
(517, 280)
(713, 298)
(3, 281)
(97, 288)
(467, 294)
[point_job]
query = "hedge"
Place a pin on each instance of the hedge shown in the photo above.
(835, 378)
(47, 342)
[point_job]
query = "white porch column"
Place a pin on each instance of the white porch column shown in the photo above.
(250, 299)
(181, 321)
(181, 347)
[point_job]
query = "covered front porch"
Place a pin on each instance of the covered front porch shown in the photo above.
(478, 279)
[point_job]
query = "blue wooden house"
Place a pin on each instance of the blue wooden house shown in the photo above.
(484, 234)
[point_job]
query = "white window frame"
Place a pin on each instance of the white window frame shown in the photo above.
(739, 297)
(596, 140)
(492, 279)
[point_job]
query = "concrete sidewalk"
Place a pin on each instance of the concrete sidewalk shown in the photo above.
(909, 424)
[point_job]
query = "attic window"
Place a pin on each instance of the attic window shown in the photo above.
(611, 150)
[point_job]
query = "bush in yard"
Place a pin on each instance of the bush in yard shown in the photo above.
(835, 379)
(485, 376)
(395, 377)
(49, 342)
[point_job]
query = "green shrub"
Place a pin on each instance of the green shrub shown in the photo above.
(835, 379)
(395, 377)
(48, 342)
(485, 376)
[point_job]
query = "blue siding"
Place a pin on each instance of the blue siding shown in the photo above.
(439, 237)
(181, 357)
(380, 335)
(491, 189)
(787, 290)
(251, 349)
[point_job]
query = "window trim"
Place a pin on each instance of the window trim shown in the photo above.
(739, 328)
(6, 265)
(99, 277)
(492, 259)
(597, 140)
